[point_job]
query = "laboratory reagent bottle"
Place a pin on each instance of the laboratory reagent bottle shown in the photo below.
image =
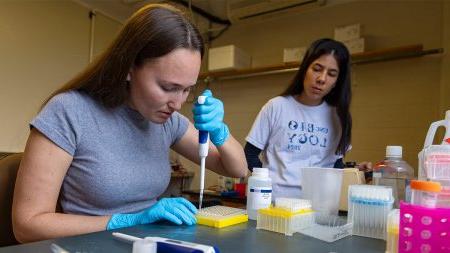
(393, 171)
(259, 191)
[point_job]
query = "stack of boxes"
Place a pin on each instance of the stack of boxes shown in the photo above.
(231, 57)
(350, 35)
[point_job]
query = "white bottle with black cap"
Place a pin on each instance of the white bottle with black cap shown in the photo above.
(259, 191)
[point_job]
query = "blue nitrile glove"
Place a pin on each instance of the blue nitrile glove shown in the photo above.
(209, 117)
(176, 210)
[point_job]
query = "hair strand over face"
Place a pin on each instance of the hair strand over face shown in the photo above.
(340, 95)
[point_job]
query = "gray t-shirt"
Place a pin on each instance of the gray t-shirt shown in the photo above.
(120, 159)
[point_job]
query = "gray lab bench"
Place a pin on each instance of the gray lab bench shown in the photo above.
(239, 238)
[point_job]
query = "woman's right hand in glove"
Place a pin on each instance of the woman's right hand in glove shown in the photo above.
(177, 210)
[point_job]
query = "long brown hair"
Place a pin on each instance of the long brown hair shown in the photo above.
(340, 96)
(153, 31)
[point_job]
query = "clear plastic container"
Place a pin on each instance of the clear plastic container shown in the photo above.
(328, 228)
(393, 171)
(393, 223)
(434, 165)
(425, 193)
(323, 187)
(368, 208)
(259, 192)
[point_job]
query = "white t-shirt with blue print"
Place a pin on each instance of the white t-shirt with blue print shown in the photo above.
(293, 136)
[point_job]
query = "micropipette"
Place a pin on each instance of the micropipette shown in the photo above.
(170, 245)
(203, 153)
(55, 248)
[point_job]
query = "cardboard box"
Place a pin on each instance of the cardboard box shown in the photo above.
(346, 33)
(350, 176)
(294, 54)
(228, 58)
(355, 46)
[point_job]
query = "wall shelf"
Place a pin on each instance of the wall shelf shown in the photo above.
(388, 54)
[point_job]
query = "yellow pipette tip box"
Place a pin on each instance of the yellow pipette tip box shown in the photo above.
(221, 216)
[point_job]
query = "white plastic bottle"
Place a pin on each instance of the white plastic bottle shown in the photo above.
(393, 171)
(259, 191)
(430, 149)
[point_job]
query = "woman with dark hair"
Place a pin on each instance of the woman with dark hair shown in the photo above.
(99, 148)
(309, 124)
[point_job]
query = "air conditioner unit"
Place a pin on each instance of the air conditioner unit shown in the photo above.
(240, 10)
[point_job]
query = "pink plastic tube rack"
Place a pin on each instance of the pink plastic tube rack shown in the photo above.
(424, 230)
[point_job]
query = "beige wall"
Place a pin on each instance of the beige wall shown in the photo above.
(445, 84)
(393, 102)
(43, 44)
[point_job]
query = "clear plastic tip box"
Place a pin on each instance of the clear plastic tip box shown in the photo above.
(369, 206)
(289, 216)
